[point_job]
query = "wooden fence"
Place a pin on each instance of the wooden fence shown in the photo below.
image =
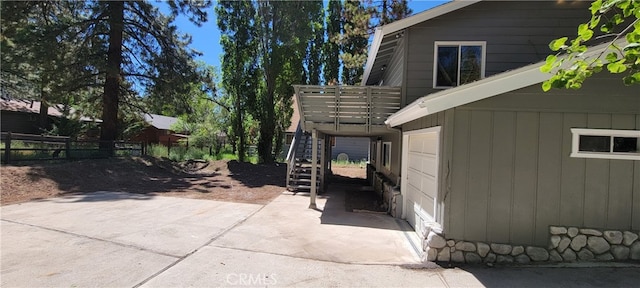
(27, 147)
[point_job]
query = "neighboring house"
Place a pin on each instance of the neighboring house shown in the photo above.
(21, 116)
(158, 130)
(479, 154)
(354, 149)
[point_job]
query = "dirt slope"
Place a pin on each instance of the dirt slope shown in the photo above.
(217, 180)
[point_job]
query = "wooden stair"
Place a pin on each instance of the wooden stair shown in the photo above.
(300, 174)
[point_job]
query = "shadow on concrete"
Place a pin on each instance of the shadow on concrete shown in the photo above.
(106, 196)
(335, 211)
(528, 276)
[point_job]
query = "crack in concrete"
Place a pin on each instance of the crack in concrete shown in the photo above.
(92, 238)
(310, 258)
(180, 259)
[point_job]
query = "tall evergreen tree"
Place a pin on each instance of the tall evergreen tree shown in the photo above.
(354, 40)
(144, 47)
(284, 34)
(315, 14)
(331, 49)
(359, 20)
(42, 57)
(236, 21)
(388, 11)
(120, 45)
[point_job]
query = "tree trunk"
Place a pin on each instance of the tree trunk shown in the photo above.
(279, 140)
(43, 117)
(240, 130)
(267, 125)
(110, 97)
(240, 112)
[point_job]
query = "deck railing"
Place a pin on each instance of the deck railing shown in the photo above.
(350, 105)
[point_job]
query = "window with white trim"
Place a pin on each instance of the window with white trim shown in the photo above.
(458, 63)
(605, 144)
(386, 155)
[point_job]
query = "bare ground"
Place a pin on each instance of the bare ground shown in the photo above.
(217, 180)
(221, 180)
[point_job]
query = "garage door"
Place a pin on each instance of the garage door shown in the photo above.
(420, 160)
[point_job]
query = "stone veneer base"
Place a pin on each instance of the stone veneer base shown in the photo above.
(566, 244)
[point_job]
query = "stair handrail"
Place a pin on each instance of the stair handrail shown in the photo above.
(291, 155)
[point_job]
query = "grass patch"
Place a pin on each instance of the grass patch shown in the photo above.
(349, 164)
(181, 153)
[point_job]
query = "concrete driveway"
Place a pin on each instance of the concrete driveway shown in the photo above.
(122, 239)
(108, 239)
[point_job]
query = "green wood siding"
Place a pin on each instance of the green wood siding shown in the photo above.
(515, 36)
(510, 171)
(394, 73)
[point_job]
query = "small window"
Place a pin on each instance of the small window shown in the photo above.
(606, 144)
(458, 63)
(386, 155)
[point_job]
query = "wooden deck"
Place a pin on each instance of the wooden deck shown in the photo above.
(347, 110)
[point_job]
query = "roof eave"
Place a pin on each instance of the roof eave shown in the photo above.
(481, 89)
(406, 23)
(373, 52)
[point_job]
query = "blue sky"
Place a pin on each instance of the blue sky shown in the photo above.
(206, 38)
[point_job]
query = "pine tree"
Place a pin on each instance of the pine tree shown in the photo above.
(119, 45)
(236, 21)
(315, 14)
(354, 40)
(388, 11)
(42, 57)
(359, 22)
(331, 49)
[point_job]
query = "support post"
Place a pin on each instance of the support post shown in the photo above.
(314, 169)
(67, 148)
(7, 148)
(327, 165)
(323, 161)
(369, 110)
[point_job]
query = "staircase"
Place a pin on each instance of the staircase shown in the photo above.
(300, 164)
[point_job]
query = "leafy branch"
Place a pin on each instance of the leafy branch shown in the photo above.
(606, 15)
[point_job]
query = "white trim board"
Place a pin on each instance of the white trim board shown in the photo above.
(575, 143)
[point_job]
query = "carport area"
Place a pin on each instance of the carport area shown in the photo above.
(121, 239)
(329, 233)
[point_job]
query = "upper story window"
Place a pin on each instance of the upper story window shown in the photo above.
(605, 144)
(458, 63)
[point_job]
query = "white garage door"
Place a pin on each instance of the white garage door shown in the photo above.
(420, 158)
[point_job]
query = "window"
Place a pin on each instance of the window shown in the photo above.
(458, 63)
(374, 152)
(606, 144)
(289, 138)
(386, 155)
